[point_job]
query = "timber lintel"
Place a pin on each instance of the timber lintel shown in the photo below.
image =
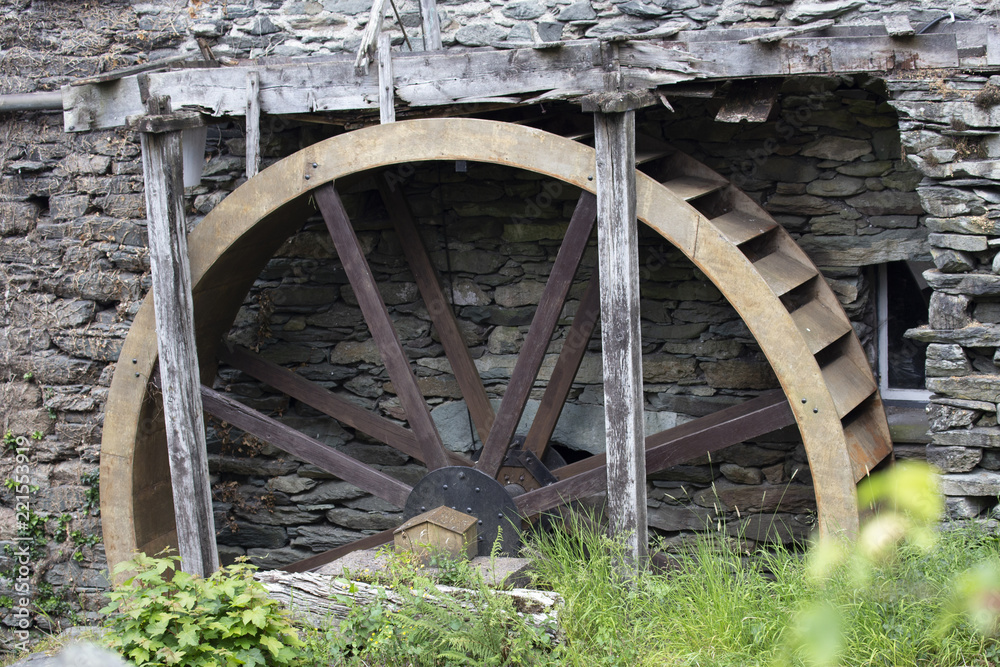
(529, 75)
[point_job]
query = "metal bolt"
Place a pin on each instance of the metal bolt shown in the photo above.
(135, 361)
(804, 401)
(477, 489)
(423, 508)
(469, 510)
(480, 538)
(500, 515)
(521, 478)
(815, 410)
(590, 178)
(461, 475)
(307, 177)
(315, 165)
(480, 522)
(444, 486)
(137, 373)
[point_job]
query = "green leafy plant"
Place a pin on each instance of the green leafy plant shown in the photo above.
(163, 616)
(92, 495)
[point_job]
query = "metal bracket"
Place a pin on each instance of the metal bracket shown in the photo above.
(518, 457)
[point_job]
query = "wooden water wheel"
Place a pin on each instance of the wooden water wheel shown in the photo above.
(827, 388)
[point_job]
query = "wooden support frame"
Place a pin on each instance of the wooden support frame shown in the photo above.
(253, 124)
(178, 357)
(618, 258)
(386, 91)
(431, 25)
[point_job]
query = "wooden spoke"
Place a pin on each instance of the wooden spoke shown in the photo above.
(440, 311)
(327, 402)
(537, 341)
(383, 333)
(298, 444)
(561, 381)
(753, 418)
(313, 562)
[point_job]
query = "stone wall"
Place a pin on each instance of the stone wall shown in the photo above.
(950, 131)
(73, 269)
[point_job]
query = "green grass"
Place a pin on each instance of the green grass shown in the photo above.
(724, 607)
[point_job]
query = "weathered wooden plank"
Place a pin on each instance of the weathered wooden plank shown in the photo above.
(868, 440)
(132, 70)
(778, 35)
(739, 226)
(380, 324)
(783, 273)
(750, 99)
(820, 326)
(849, 380)
(302, 446)
(431, 25)
(766, 413)
(823, 55)
(621, 342)
(323, 599)
(178, 357)
(692, 187)
(253, 124)
(439, 309)
(445, 77)
(386, 96)
(327, 402)
(537, 340)
(567, 365)
(167, 122)
(369, 38)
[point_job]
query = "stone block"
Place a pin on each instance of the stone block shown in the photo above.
(945, 360)
(523, 293)
(771, 528)
(948, 311)
(672, 518)
(321, 538)
(964, 242)
(804, 12)
(762, 498)
(969, 387)
(578, 11)
(963, 225)
(328, 493)
(973, 284)
(243, 534)
(980, 483)
(839, 186)
(966, 508)
(946, 417)
(361, 520)
(972, 437)
(842, 149)
(741, 475)
(954, 459)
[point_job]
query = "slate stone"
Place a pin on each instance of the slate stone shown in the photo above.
(523, 10)
(987, 311)
(970, 387)
(842, 149)
(771, 528)
(973, 284)
(322, 538)
(741, 475)
(251, 535)
(351, 352)
(290, 484)
(280, 516)
(945, 202)
(549, 31)
(804, 12)
(801, 205)
(737, 374)
(762, 498)
(966, 242)
(746, 455)
(887, 203)
(578, 11)
(328, 492)
(361, 520)
(672, 518)
(945, 360)
(642, 10)
(966, 508)
(980, 483)
(949, 311)
(865, 169)
(272, 558)
(520, 293)
(696, 474)
(954, 459)
(839, 186)
(984, 335)
(479, 34)
(972, 437)
(505, 340)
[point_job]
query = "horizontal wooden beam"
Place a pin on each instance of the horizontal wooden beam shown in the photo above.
(521, 76)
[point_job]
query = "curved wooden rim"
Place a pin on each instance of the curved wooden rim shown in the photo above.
(229, 246)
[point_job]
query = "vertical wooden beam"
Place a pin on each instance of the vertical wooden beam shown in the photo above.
(618, 259)
(386, 91)
(431, 25)
(369, 38)
(253, 124)
(178, 359)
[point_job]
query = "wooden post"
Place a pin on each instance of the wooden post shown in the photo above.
(618, 259)
(369, 38)
(431, 25)
(173, 305)
(253, 124)
(386, 91)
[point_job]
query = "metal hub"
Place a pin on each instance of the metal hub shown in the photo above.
(470, 491)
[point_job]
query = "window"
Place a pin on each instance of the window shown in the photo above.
(903, 297)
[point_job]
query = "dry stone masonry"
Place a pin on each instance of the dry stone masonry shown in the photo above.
(861, 173)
